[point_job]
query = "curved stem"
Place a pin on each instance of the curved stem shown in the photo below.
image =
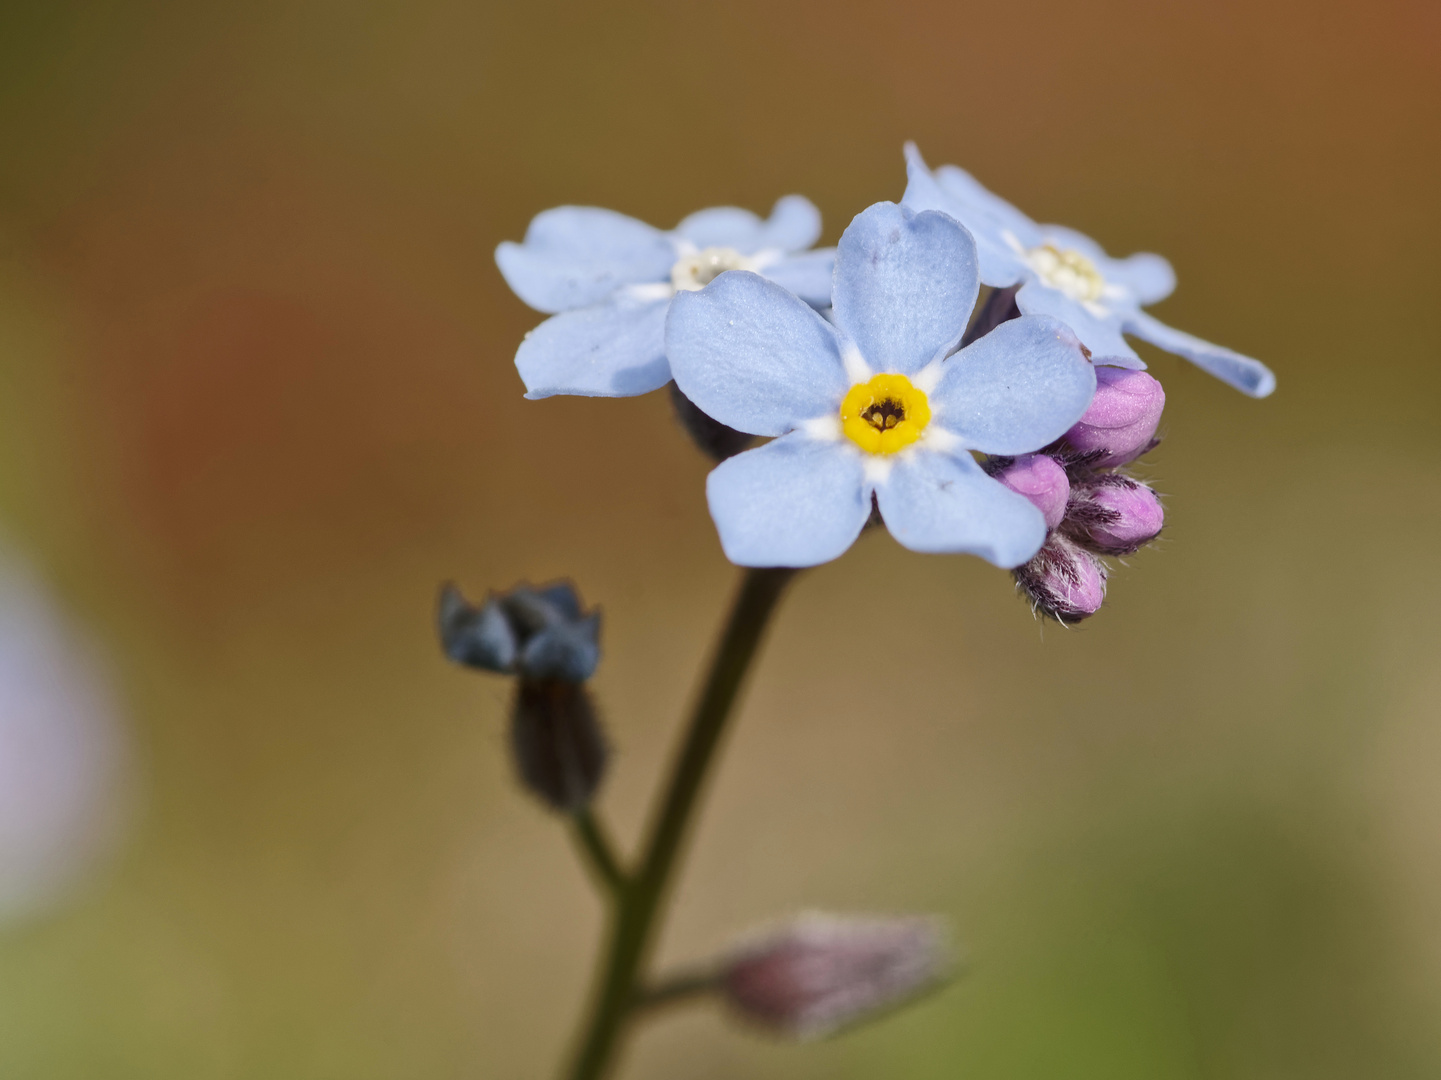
(599, 851)
(639, 902)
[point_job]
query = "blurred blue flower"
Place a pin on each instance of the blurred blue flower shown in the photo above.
(607, 280)
(1067, 275)
(66, 771)
(875, 406)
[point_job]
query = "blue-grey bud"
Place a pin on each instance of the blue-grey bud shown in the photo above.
(477, 637)
(536, 633)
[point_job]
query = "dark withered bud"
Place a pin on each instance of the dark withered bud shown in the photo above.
(1113, 514)
(560, 749)
(715, 439)
(1063, 581)
(535, 633)
(821, 973)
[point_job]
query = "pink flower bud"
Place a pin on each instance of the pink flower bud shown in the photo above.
(1114, 515)
(1042, 480)
(820, 973)
(1122, 419)
(1063, 581)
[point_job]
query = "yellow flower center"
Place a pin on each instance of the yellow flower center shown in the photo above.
(699, 270)
(884, 415)
(1068, 271)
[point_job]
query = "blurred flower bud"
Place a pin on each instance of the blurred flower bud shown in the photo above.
(820, 973)
(1042, 480)
(1121, 423)
(536, 633)
(1063, 580)
(715, 439)
(1114, 514)
(560, 750)
(477, 637)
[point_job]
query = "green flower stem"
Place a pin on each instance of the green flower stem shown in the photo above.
(676, 989)
(639, 902)
(599, 851)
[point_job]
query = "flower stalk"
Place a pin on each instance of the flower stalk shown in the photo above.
(599, 852)
(640, 898)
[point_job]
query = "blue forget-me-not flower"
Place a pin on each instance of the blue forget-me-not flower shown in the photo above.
(607, 280)
(875, 405)
(1067, 275)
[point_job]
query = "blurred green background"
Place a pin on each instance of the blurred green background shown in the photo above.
(258, 401)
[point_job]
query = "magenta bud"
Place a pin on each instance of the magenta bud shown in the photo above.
(1042, 480)
(1063, 581)
(820, 973)
(1121, 422)
(1114, 515)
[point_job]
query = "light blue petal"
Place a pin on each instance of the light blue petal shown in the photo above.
(808, 275)
(753, 356)
(611, 349)
(1000, 265)
(794, 225)
(1246, 375)
(574, 256)
(723, 226)
(793, 502)
(1062, 238)
(1148, 277)
(593, 232)
(1099, 333)
(988, 217)
(922, 190)
(905, 285)
(945, 504)
(969, 192)
(1017, 389)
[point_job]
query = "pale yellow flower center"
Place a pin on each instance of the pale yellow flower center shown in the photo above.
(699, 270)
(1067, 271)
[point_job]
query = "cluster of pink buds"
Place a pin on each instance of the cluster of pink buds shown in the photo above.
(1091, 505)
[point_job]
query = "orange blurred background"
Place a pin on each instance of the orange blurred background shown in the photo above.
(258, 401)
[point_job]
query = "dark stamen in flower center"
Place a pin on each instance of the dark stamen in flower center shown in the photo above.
(883, 414)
